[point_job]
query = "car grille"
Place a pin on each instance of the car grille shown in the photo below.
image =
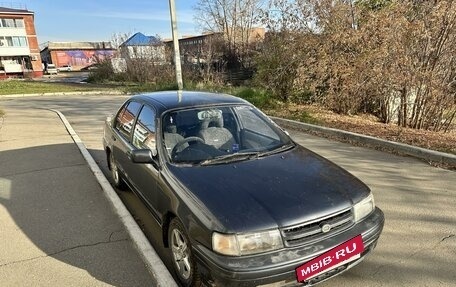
(309, 232)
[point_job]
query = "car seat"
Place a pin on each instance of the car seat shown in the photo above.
(171, 138)
(213, 133)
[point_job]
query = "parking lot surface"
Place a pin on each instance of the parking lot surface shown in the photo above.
(418, 244)
(57, 228)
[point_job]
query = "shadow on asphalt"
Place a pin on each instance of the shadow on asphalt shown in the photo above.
(140, 213)
(55, 208)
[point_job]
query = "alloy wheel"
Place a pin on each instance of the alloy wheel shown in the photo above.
(181, 254)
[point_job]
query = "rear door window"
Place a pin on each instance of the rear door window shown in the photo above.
(126, 117)
(144, 135)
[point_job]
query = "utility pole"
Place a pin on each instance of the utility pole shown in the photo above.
(177, 59)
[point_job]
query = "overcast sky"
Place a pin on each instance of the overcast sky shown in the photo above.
(98, 20)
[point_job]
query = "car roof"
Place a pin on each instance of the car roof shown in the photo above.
(170, 100)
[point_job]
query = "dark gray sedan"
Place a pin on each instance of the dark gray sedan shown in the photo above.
(238, 201)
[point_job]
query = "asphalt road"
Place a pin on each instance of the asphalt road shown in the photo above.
(418, 244)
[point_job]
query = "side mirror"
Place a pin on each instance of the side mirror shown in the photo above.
(141, 156)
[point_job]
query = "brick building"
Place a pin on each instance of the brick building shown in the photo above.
(198, 49)
(209, 47)
(19, 50)
(77, 54)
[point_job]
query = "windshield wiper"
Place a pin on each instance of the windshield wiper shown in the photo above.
(278, 149)
(230, 158)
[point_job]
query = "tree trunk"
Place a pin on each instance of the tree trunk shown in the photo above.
(402, 119)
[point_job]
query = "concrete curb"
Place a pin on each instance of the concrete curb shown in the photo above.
(421, 153)
(149, 255)
(63, 94)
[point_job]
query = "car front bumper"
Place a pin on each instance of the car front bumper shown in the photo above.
(279, 266)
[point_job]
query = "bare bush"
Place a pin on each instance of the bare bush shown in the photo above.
(394, 59)
(234, 20)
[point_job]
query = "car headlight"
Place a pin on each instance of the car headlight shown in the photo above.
(248, 243)
(364, 207)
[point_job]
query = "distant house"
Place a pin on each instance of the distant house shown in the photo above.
(19, 51)
(77, 54)
(140, 46)
(210, 46)
(199, 49)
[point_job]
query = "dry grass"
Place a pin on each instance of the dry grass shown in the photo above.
(11, 87)
(369, 125)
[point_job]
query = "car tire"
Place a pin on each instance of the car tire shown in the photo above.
(181, 255)
(115, 174)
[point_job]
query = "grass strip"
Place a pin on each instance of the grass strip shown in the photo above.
(13, 87)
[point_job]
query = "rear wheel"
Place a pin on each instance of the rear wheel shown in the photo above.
(182, 256)
(118, 181)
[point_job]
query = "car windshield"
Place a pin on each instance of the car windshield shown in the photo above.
(222, 134)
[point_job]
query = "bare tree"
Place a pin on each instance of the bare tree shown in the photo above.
(286, 44)
(394, 59)
(397, 63)
(235, 19)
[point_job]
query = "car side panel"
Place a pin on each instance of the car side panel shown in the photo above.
(196, 218)
(170, 197)
(120, 148)
(144, 178)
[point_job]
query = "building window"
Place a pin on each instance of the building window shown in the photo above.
(8, 23)
(12, 23)
(19, 23)
(9, 41)
(16, 42)
(23, 41)
(13, 41)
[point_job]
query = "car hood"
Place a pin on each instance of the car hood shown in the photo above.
(274, 191)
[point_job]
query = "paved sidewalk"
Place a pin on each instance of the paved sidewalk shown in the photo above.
(56, 226)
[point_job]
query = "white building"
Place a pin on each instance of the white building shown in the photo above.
(19, 51)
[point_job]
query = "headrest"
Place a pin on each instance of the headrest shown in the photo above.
(217, 122)
(172, 129)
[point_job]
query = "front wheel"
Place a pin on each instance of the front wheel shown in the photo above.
(182, 256)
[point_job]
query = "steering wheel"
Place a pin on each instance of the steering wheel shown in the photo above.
(184, 141)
